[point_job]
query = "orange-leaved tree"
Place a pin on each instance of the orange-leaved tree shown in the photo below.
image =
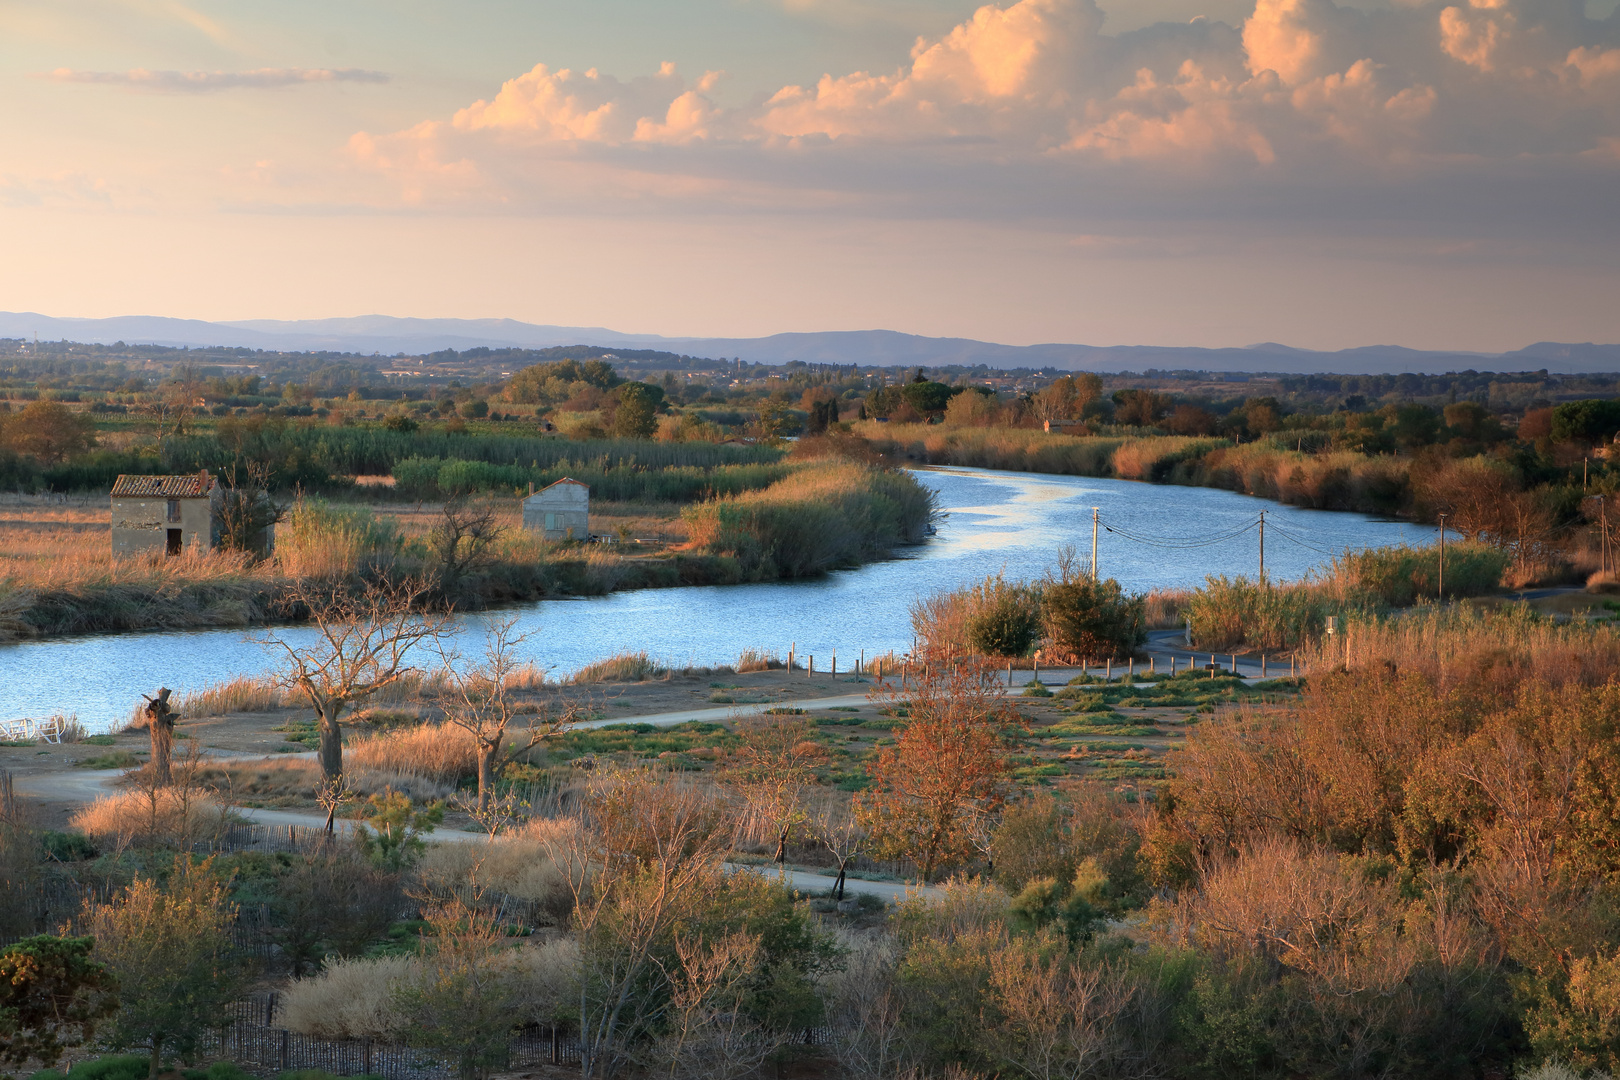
(948, 768)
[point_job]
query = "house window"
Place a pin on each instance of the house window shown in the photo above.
(174, 509)
(551, 522)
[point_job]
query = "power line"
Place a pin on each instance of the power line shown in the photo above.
(1180, 542)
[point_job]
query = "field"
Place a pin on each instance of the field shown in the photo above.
(58, 575)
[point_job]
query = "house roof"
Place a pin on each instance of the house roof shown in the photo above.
(560, 483)
(190, 486)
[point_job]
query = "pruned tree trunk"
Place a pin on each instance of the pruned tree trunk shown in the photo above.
(160, 725)
(488, 755)
(331, 751)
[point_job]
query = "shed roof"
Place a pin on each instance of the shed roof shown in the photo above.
(190, 486)
(560, 483)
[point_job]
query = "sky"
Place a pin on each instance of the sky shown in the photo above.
(1171, 172)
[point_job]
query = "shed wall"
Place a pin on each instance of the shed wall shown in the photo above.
(562, 512)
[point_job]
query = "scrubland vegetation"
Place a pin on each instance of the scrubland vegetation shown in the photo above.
(1400, 866)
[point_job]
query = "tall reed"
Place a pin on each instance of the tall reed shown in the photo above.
(825, 515)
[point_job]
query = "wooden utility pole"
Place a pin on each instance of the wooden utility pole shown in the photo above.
(1440, 593)
(160, 725)
(1094, 543)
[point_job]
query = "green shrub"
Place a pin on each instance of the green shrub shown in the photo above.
(1088, 619)
(68, 846)
(1003, 619)
(110, 1067)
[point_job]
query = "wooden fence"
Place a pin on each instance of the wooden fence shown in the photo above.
(253, 1039)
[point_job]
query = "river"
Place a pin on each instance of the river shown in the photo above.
(1013, 523)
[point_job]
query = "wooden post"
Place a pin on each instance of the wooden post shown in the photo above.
(1108, 669)
(1036, 675)
(1234, 663)
(556, 1045)
(1152, 667)
(1214, 668)
(1131, 671)
(1292, 672)
(368, 1055)
(811, 671)
(1262, 665)
(160, 725)
(860, 662)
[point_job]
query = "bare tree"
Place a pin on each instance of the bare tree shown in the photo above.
(708, 1034)
(247, 512)
(362, 645)
(461, 539)
(481, 703)
(843, 834)
(771, 770)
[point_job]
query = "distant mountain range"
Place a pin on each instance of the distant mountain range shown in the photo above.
(388, 335)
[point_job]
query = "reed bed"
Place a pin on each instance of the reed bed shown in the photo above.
(1165, 609)
(1018, 449)
(626, 667)
(324, 542)
(825, 515)
(1460, 645)
(245, 693)
(441, 752)
(759, 660)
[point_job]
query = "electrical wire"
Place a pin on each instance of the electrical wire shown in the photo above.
(1179, 543)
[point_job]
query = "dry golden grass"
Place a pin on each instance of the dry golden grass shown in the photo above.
(441, 752)
(758, 660)
(518, 865)
(350, 999)
(625, 667)
(167, 816)
(1164, 608)
(1460, 643)
(245, 693)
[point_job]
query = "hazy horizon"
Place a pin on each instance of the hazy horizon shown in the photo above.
(1206, 173)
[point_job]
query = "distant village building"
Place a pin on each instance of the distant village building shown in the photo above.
(171, 514)
(561, 511)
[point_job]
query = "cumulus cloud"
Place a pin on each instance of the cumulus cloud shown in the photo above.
(206, 81)
(1036, 87)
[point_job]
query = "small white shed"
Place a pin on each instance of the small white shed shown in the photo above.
(561, 511)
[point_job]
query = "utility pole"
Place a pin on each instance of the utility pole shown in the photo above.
(1094, 510)
(1262, 547)
(1441, 592)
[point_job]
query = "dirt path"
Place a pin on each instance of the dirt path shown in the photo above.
(78, 787)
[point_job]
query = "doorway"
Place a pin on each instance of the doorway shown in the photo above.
(174, 541)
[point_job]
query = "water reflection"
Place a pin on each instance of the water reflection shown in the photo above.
(1013, 523)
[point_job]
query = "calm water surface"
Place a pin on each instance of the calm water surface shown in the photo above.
(1014, 523)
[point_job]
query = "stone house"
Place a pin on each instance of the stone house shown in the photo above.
(561, 511)
(171, 514)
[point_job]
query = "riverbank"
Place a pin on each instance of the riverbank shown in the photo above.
(1266, 468)
(63, 580)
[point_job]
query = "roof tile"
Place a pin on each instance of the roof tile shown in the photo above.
(190, 486)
